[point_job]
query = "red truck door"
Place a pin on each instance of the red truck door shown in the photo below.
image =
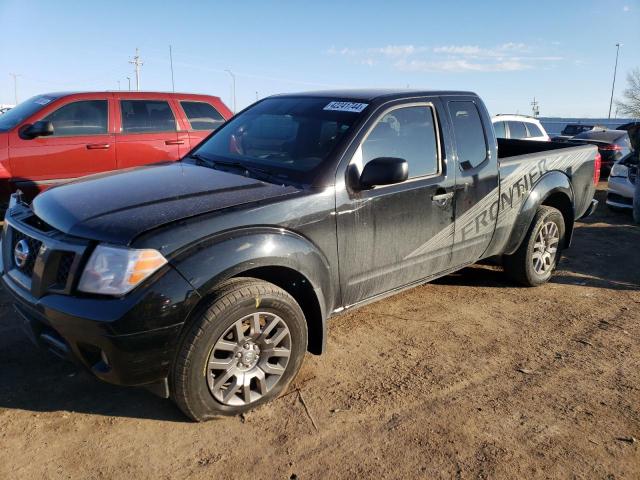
(82, 143)
(201, 118)
(148, 132)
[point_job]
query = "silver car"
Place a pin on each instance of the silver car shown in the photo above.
(622, 183)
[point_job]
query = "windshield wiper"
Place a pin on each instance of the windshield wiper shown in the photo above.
(258, 171)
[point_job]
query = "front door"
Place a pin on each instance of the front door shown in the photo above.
(81, 144)
(391, 236)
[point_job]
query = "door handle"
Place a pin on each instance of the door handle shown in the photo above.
(98, 146)
(174, 142)
(442, 197)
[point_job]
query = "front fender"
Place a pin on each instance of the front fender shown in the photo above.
(551, 183)
(229, 254)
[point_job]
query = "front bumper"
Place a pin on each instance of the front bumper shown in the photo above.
(125, 341)
(620, 192)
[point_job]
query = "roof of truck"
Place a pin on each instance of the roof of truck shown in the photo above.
(375, 93)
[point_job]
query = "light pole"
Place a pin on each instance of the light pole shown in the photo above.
(233, 83)
(613, 86)
(119, 85)
(137, 63)
(129, 80)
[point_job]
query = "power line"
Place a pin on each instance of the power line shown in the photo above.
(137, 63)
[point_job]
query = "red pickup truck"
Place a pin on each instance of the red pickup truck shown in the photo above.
(56, 137)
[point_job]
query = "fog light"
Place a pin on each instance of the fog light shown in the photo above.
(104, 358)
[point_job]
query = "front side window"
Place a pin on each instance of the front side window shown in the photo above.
(288, 136)
(408, 133)
(86, 117)
(517, 130)
(500, 130)
(471, 144)
(534, 131)
(147, 116)
(202, 116)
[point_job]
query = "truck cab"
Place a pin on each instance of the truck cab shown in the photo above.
(54, 138)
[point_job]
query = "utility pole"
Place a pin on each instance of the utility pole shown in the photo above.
(535, 107)
(119, 85)
(15, 86)
(233, 84)
(613, 86)
(129, 80)
(257, 97)
(173, 85)
(137, 64)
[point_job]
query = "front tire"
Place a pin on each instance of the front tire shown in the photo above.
(242, 351)
(537, 257)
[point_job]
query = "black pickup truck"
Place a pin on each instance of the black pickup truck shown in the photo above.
(208, 279)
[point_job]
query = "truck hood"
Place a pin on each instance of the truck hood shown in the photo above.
(119, 206)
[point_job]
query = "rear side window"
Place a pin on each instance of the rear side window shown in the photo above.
(517, 130)
(86, 117)
(202, 116)
(146, 116)
(408, 133)
(500, 130)
(534, 131)
(471, 144)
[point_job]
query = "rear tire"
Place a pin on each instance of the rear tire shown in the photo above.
(536, 258)
(241, 351)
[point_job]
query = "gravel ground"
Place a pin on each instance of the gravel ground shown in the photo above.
(466, 377)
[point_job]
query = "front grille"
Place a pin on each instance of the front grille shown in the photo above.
(33, 247)
(52, 258)
(64, 267)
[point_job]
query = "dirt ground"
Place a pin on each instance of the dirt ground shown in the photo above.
(467, 377)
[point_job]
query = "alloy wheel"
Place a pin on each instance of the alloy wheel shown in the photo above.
(249, 359)
(545, 248)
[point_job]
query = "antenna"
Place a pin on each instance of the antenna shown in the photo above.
(137, 63)
(173, 85)
(15, 85)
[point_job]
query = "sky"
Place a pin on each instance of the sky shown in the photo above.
(560, 52)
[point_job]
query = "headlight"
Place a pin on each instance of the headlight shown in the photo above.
(117, 270)
(619, 170)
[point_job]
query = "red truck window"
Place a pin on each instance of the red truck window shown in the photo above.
(87, 117)
(202, 116)
(147, 116)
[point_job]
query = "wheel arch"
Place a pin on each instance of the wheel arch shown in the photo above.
(283, 258)
(553, 190)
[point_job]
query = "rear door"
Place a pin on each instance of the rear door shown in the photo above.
(202, 118)
(476, 207)
(148, 132)
(82, 144)
(394, 235)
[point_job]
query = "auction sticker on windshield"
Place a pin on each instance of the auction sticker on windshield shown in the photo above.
(346, 107)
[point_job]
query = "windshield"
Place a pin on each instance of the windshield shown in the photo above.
(290, 137)
(23, 111)
(575, 129)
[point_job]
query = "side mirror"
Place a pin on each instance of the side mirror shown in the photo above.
(41, 128)
(384, 171)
